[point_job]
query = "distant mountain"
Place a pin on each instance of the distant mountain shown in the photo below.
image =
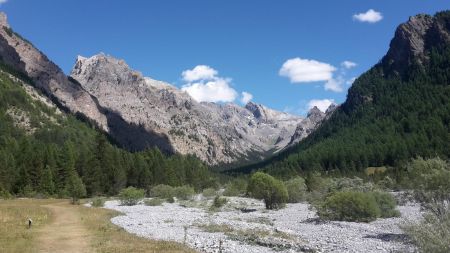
(139, 112)
(398, 109)
(216, 133)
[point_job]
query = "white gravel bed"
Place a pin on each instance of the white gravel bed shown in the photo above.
(291, 229)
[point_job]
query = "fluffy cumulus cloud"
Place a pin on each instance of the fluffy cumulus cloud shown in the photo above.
(204, 85)
(370, 16)
(200, 72)
(303, 70)
(246, 97)
(348, 64)
(322, 104)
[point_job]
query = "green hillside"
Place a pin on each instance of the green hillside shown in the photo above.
(40, 147)
(392, 113)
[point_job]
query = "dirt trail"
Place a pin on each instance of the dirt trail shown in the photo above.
(65, 233)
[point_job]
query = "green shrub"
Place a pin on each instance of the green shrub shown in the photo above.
(209, 192)
(236, 187)
(351, 184)
(296, 188)
(432, 234)
(350, 206)
(317, 183)
(387, 183)
(162, 191)
(5, 194)
(98, 202)
(218, 202)
(265, 187)
(170, 200)
(430, 182)
(386, 203)
(184, 192)
(131, 196)
(153, 202)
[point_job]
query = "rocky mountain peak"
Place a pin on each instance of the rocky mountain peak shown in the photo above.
(315, 113)
(4, 19)
(257, 110)
(412, 39)
(107, 67)
(313, 119)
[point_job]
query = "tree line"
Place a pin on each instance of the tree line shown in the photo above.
(43, 152)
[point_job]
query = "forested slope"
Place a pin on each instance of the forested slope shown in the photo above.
(397, 110)
(40, 146)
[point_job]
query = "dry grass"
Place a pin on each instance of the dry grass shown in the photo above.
(14, 233)
(103, 235)
(111, 238)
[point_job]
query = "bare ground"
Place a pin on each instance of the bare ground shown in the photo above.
(65, 233)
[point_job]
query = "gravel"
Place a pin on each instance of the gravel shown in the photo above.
(291, 229)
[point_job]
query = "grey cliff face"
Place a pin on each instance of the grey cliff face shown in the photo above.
(412, 40)
(216, 133)
(313, 119)
(24, 57)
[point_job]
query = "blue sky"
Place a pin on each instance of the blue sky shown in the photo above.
(284, 53)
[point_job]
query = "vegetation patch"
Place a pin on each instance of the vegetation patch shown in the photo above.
(271, 190)
(131, 196)
(153, 202)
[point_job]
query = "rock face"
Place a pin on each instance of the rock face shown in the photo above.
(216, 133)
(412, 40)
(310, 123)
(46, 76)
(139, 112)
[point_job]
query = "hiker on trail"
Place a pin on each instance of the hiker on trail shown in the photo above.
(29, 222)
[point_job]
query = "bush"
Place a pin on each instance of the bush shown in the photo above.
(296, 188)
(432, 234)
(162, 191)
(131, 196)
(5, 194)
(265, 187)
(170, 200)
(430, 182)
(184, 192)
(317, 183)
(218, 202)
(236, 187)
(153, 202)
(209, 192)
(387, 204)
(350, 184)
(350, 206)
(98, 202)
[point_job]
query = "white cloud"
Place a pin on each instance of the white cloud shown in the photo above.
(370, 16)
(334, 84)
(322, 104)
(303, 70)
(217, 90)
(3, 1)
(203, 85)
(246, 97)
(200, 72)
(348, 64)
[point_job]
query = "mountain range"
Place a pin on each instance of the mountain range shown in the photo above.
(139, 112)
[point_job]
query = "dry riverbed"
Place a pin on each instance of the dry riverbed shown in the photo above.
(292, 229)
